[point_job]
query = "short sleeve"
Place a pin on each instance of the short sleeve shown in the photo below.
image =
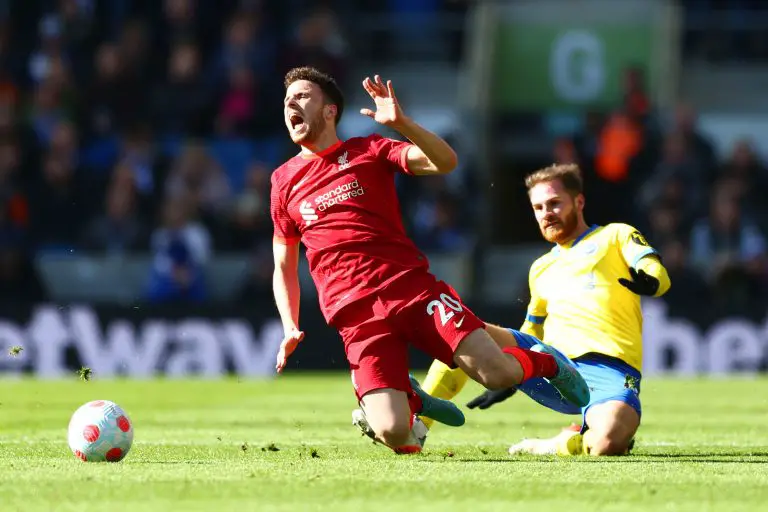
(633, 245)
(393, 151)
(285, 229)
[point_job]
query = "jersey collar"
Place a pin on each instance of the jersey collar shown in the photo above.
(320, 154)
(585, 234)
(578, 239)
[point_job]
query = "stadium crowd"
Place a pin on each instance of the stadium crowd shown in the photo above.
(136, 125)
(154, 125)
(706, 215)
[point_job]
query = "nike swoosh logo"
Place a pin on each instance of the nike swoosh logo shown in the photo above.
(458, 323)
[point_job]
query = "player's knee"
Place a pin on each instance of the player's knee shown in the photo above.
(606, 445)
(393, 433)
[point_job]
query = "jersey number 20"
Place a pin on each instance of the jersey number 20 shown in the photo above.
(440, 305)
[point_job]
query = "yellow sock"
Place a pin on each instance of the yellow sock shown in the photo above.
(570, 443)
(443, 382)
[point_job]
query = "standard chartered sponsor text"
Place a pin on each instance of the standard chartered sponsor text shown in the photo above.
(339, 195)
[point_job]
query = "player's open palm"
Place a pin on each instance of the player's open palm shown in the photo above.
(289, 344)
(388, 111)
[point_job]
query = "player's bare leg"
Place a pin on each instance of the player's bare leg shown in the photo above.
(612, 426)
(482, 359)
(387, 412)
(496, 368)
(501, 335)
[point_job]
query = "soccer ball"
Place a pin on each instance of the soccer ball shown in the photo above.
(100, 431)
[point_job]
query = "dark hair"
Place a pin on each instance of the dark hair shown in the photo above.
(331, 91)
(568, 174)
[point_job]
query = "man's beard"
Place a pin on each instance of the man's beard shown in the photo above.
(562, 231)
(315, 128)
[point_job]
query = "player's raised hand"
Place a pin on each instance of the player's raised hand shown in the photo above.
(289, 344)
(641, 283)
(388, 111)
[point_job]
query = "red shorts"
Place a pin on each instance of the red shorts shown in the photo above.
(416, 309)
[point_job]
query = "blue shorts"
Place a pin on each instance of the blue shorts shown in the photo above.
(608, 379)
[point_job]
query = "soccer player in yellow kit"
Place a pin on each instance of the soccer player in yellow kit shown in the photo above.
(585, 302)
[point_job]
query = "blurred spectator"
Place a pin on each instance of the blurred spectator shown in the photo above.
(113, 101)
(586, 142)
(251, 223)
(181, 248)
(119, 229)
(139, 155)
(12, 195)
(665, 224)
(198, 177)
(19, 282)
(238, 107)
(258, 281)
(750, 178)
(687, 285)
(564, 152)
(415, 27)
(726, 238)
(179, 24)
(319, 43)
(146, 204)
(245, 44)
(51, 49)
(620, 140)
(696, 144)
(46, 112)
(677, 179)
(436, 221)
(65, 142)
(76, 17)
(18, 279)
(135, 54)
(180, 104)
(9, 92)
(58, 204)
(99, 99)
(637, 104)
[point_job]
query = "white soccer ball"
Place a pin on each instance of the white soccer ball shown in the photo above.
(100, 431)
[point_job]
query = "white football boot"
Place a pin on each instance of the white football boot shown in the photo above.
(567, 442)
(416, 437)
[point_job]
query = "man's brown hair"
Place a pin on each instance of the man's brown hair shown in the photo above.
(331, 90)
(568, 174)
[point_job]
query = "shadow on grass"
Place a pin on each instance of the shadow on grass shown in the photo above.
(178, 462)
(642, 458)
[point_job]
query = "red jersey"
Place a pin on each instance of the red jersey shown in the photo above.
(343, 206)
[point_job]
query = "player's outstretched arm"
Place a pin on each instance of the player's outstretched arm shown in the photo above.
(430, 154)
(647, 276)
(285, 285)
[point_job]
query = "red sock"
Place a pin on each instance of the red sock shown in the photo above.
(534, 364)
(415, 402)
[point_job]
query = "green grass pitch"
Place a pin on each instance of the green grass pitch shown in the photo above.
(287, 444)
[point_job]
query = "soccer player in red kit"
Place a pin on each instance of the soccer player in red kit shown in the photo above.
(338, 198)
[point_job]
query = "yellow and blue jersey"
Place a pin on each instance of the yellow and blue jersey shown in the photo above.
(577, 299)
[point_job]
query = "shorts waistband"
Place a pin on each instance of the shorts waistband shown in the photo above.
(612, 361)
